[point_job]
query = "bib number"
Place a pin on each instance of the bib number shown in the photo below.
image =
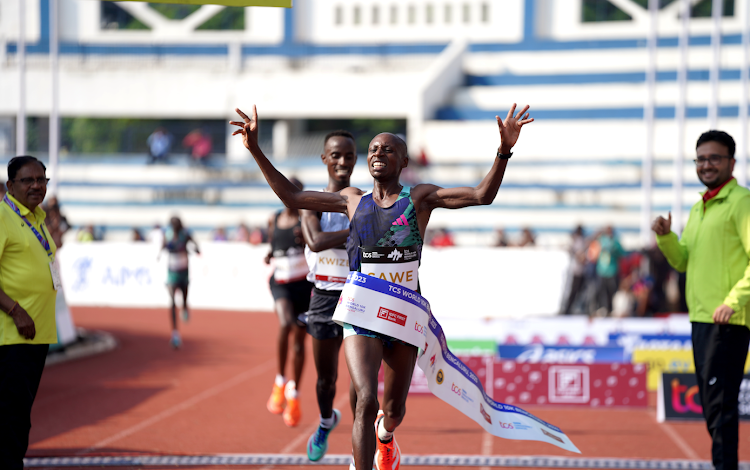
(332, 266)
(399, 265)
(290, 268)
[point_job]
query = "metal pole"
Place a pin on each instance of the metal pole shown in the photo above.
(21, 57)
(679, 156)
(741, 172)
(713, 104)
(54, 118)
(648, 116)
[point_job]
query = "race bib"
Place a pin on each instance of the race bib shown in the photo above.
(332, 265)
(399, 264)
(290, 268)
(178, 261)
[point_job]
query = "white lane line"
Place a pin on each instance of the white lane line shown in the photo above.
(486, 446)
(677, 439)
(215, 390)
(305, 435)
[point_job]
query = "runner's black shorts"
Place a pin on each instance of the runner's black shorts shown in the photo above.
(298, 292)
(319, 318)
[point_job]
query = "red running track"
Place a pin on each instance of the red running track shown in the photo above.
(144, 398)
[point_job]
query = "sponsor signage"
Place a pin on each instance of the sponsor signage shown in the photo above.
(539, 353)
(594, 385)
(678, 398)
(664, 342)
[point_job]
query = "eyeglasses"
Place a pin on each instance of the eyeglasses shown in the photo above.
(712, 159)
(30, 181)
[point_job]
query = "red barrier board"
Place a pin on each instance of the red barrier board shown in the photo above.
(594, 385)
(591, 385)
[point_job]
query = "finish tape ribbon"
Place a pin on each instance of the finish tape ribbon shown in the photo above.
(393, 310)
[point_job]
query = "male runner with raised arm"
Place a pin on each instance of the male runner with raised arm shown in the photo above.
(325, 235)
(404, 213)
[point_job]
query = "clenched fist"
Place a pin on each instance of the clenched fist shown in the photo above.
(662, 226)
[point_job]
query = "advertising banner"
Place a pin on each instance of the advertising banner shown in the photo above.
(594, 385)
(539, 353)
(678, 398)
(672, 361)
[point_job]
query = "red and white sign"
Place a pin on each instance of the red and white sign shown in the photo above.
(594, 385)
(392, 316)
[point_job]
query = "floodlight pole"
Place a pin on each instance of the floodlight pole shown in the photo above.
(648, 117)
(713, 104)
(21, 58)
(741, 172)
(679, 157)
(54, 115)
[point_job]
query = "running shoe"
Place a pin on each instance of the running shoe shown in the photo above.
(292, 413)
(176, 341)
(387, 454)
(277, 401)
(317, 445)
(185, 315)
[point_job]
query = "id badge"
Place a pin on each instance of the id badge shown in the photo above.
(55, 271)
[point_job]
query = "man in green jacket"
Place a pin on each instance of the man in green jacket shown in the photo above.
(715, 251)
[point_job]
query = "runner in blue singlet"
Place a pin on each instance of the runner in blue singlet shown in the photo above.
(325, 235)
(386, 218)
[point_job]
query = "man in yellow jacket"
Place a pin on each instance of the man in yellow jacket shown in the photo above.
(28, 281)
(715, 251)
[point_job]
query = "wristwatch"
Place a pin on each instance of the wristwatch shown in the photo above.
(504, 156)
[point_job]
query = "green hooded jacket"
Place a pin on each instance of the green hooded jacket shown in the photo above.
(715, 252)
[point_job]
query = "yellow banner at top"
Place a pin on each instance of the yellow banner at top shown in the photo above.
(229, 3)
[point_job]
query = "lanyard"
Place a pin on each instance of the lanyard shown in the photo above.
(42, 240)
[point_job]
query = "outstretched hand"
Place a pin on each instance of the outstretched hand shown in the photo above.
(662, 226)
(248, 127)
(510, 129)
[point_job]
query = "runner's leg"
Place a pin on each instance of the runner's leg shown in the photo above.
(326, 357)
(172, 291)
(398, 366)
(300, 333)
(184, 289)
(284, 312)
(363, 357)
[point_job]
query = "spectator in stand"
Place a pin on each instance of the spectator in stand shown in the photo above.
(610, 252)
(220, 235)
(57, 224)
(527, 238)
(86, 234)
(577, 250)
(256, 236)
(2, 189)
(159, 144)
(136, 235)
(156, 236)
(199, 143)
(500, 239)
(242, 234)
(441, 239)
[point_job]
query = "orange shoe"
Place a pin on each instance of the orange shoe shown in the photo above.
(292, 413)
(387, 455)
(276, 402)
